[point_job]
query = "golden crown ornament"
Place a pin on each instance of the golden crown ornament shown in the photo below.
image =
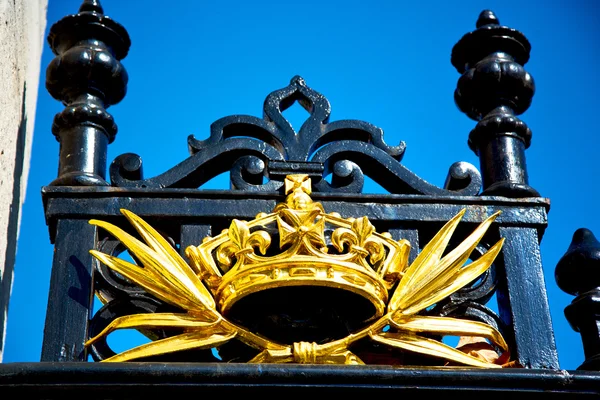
(315, 249)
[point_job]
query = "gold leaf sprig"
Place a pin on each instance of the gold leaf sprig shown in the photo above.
(167, 276)
(429, 279)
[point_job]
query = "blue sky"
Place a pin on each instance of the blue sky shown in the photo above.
(385, 62)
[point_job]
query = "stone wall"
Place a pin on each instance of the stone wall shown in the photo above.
(22, 26)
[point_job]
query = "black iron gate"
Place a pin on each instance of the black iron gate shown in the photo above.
(259, 153)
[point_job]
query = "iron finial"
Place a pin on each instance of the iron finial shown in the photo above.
(88, 77)
(494, 88)
(93, 6)
(487, 17)
(578, 273)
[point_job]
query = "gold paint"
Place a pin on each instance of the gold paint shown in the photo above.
(233, 264)
(302, 271)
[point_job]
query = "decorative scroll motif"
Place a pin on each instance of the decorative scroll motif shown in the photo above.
(255, 149)
(245, 260)
(108, 284)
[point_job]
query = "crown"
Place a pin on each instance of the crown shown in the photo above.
(315, 249)
(302, 300)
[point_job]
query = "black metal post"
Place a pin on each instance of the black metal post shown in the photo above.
(71, 292)
(524, 301)
(87, 77)
(493, 89)
(578, 273)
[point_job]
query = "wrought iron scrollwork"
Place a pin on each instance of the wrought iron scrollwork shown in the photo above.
(482, 289)
(259, 152)
(108, 284)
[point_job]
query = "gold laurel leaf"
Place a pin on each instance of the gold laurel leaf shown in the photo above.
(152, 283)
(177, 264)
(459, 279)
(428, 257)
(453, 260)
(152, 262)
(186, 341)
(158, 265)
(449, 326)
(156, 320)
(430, 347)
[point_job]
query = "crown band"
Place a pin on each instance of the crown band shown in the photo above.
(353, 258)
(303, 271)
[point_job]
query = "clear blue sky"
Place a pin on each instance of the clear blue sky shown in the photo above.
(385, 62)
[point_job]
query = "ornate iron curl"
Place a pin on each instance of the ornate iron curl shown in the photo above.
(109, 285)
(482, 289)
(260, 152)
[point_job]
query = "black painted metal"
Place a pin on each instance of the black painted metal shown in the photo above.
(523, 301)
(578, 273)
(259, 153)
(417, 216)
(493, 89)
(158, 380)
(87, 77)
(210, 206)
(256, 150)
(71, 292)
